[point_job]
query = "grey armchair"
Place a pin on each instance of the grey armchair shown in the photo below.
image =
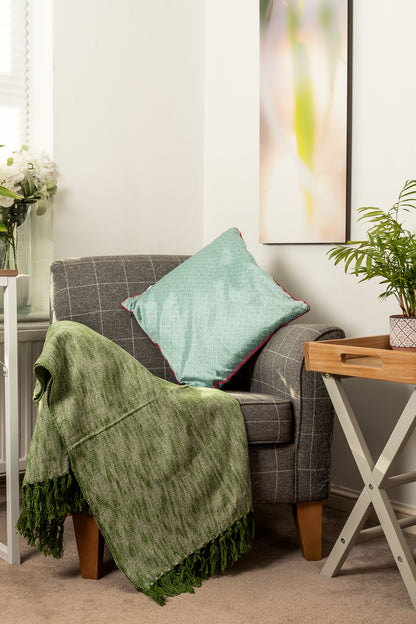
(287, 412)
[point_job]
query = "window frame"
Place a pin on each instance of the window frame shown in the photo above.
(14, 84)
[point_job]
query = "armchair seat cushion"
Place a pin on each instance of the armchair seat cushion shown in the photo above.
(268, 420)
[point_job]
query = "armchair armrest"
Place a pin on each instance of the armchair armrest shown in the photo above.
(278, 368)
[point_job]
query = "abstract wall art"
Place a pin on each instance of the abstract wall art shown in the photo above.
(305, 113)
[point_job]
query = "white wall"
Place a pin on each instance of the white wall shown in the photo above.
(155, 134)
(128, 126)
(384, 156)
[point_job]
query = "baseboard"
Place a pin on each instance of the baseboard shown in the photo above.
(343, 499)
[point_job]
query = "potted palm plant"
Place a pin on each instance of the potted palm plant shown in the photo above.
(389, 255)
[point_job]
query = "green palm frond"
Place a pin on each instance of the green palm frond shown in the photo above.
(388, 253)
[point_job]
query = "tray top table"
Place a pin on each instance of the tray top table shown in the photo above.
(370, 358)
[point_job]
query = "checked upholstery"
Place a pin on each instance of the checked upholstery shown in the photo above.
(287, 412)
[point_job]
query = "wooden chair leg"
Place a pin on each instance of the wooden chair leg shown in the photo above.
(308, 518)
(90, 545)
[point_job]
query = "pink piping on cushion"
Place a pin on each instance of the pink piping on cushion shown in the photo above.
(294, 299)
(132, 297)
(167, 361)
(264, 342)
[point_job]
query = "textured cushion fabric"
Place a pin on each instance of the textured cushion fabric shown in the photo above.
(213, 311)
(268, 420)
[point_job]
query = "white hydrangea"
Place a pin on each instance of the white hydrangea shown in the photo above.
(29, 175)
(10, 177)
(37, 163)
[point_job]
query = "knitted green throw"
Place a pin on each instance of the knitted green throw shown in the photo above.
(163, 468)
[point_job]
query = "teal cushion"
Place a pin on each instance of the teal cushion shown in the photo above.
(213, 311)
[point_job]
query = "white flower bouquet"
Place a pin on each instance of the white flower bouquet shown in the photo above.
(26, 181)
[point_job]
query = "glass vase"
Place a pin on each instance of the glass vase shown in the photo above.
(16, 253)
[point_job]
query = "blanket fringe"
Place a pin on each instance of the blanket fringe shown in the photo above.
(211, 559)
(45, 507)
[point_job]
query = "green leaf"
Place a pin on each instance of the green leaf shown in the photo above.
(41, 208)
(359, 263)
(350, 259)
(3, 228)
(50, 184)
(370, 212)
(6, 193)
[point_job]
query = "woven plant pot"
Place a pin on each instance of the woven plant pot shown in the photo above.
(403, 332)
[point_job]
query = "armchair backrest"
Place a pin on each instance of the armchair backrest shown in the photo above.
(90, 291)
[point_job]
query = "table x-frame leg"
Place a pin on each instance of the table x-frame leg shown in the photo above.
(376, 480)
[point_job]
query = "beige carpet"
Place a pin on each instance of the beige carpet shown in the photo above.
(273, 584)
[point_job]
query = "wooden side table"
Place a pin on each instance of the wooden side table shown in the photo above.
(11, 551)
(370, 358)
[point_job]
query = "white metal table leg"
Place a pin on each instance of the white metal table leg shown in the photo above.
(11, 552)
(375, 479)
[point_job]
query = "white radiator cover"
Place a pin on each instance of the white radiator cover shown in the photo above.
(30, 343)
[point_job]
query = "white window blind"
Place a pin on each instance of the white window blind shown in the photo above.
(14, 67)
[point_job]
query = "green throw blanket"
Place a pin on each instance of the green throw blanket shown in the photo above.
(163, 468)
